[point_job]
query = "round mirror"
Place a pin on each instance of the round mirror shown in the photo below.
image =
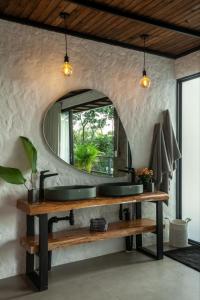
(84, 130)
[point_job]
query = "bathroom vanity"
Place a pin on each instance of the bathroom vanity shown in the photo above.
(83, 129)
(42, 243)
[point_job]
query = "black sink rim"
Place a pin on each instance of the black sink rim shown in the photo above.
(120, 184)
(69, 187)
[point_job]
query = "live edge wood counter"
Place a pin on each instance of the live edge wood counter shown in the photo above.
(53, 207)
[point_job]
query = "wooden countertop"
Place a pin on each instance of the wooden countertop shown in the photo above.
(55, 206)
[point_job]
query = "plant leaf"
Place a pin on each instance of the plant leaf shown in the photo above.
(12, 175)
(31, 153)
(85, 156)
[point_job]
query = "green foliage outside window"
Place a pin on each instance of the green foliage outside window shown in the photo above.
(94, 139)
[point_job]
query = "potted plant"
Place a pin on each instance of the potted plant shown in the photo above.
(15, 176)
(145, 177)
(85, 156)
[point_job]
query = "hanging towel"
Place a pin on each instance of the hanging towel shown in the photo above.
(159, 161)
(173, 152)
(164, 153)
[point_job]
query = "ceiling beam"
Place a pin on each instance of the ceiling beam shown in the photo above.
(188, 52)
(83, 35)
(101, 7)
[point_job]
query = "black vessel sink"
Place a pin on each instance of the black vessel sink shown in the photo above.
(66, 193)
(120, 189)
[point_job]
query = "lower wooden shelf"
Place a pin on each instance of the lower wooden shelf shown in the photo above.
(83, 235)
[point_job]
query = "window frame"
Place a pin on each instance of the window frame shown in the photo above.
(179, 84)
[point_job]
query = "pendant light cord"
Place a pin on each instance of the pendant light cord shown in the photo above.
(65, 25)
(144, 52)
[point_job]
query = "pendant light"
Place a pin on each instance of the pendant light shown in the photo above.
(67, 67)
(145, 81)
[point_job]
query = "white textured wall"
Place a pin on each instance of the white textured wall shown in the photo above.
(30, 80)
(187, 65)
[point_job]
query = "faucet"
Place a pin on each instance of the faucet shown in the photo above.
(130, 171)
(42, 178)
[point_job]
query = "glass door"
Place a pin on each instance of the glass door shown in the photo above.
(189, 108)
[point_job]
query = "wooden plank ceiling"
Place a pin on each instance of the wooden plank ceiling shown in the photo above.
(173, 25)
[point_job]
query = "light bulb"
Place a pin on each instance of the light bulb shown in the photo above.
(145, 81)
(67, 67)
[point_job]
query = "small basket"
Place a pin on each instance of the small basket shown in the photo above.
(178, 233)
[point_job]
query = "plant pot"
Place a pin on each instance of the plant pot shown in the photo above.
(151, 187)
(32, 196)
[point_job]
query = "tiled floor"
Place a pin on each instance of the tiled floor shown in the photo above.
(121, 276)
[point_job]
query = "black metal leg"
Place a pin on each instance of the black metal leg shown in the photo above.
(138, 208)
(121, 212)
(40, 280)
(49, 260)
(159, 232)
(128, 239)
(129, 243)
(30, 225)
(29, 263)
(43, 252)
(159, 229)
(30, 230)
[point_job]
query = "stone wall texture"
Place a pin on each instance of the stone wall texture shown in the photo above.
(31, 79)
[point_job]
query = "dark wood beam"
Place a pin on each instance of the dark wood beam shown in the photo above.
(101, 7)
(83, 35)
(188, 52)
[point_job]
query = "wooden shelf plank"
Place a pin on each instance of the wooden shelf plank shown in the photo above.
(83, 235)
(52, 207)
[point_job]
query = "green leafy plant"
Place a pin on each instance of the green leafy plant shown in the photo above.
(15, 176)
(85, 156)
(12, 175)
(31, 153)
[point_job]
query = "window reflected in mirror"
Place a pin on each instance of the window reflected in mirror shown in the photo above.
(84, 130)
